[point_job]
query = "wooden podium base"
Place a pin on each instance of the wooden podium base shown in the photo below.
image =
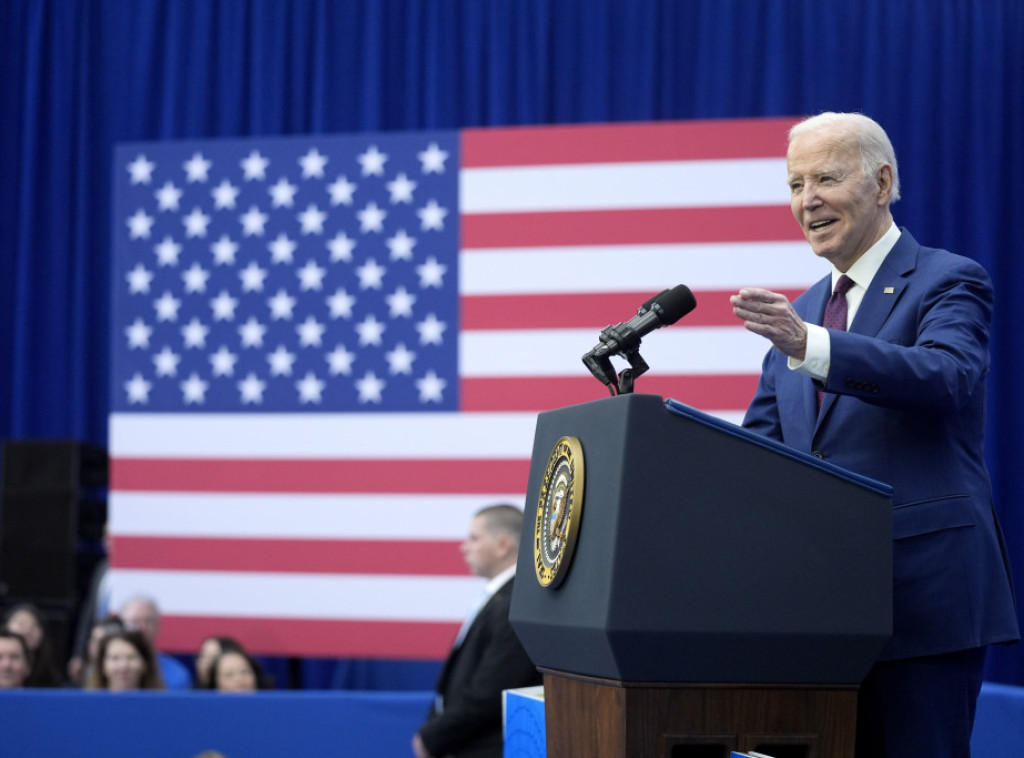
(604, 718)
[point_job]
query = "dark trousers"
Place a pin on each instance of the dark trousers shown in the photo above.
(920, 706)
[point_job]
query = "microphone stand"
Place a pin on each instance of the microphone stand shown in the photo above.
(628, 343)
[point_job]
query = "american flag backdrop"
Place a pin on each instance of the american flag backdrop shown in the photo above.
(330, 351)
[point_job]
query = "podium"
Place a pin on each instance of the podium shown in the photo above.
(725, 592)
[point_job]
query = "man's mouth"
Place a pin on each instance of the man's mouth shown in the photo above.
(817, 226)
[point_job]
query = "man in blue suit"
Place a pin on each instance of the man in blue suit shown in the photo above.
(893, 389)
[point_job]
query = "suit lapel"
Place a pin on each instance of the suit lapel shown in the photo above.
(879, 300)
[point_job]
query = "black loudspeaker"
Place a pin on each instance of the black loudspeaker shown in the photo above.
(52, 498)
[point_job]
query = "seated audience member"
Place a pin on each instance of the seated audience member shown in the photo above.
(125, 661)
(14, 660)
(99, 630)
(27, 620)
(210, 648)
(235, 671)
(143, 614)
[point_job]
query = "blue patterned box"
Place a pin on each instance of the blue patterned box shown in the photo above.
(525, 735)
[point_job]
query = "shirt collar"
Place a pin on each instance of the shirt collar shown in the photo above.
(864, 268)
(497, 582)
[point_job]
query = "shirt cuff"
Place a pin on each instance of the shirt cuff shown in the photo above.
(817, 356)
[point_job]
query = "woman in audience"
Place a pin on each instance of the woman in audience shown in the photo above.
(208, 652)
(235, 671)
(27, 620)
(97, 632)
(125, 661)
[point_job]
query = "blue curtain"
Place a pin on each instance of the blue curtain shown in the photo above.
(945, 77)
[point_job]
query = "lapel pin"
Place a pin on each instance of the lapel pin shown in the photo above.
(889, 290)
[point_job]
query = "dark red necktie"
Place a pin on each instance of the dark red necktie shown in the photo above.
(835, 312)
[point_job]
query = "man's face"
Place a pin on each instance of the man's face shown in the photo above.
(482, 550)
(142, 617)
(13, 664)
(841, 211)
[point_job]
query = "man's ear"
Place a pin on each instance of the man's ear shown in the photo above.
(884, 184)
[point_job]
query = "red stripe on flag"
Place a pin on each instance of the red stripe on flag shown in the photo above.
(619, 143)
(587, 310)
(311, 637)
(350, 475)
(311, 556)
(755, 223)
(720, 392)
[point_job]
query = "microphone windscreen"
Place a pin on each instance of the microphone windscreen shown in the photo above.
(675, 303)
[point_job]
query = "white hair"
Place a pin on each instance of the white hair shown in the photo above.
(875, 148)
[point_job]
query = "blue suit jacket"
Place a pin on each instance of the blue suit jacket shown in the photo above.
(905, 404)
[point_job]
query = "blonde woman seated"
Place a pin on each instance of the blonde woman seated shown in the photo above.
(125, 662)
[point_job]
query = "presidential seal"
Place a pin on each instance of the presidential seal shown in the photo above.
(559, 509)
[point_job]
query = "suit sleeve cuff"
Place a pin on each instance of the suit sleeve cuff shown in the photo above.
(817, 356)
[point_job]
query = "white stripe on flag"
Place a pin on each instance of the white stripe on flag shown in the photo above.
(678, 184)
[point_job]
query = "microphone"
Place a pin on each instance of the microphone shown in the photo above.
(664, 309)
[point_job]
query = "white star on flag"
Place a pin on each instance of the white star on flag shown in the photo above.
(224, 306)
(341, 304)
(166, 362)
(253, 222)
(281, 306)
(370, 388)
(400, 303)
(311, 276)
(141, 170)
(370, 330)
(372, 161)
(431, 273)
(281, 361)
(431, 330)
(168, 197)
(194, 333)
(140, 224)
(431, 387)
(195, 278)
(282, 249)
(139, 279)
(166, 307)
(193, 390)
(310, 332)
(341, 247)
(251, 389)
(310, 388)
(138, 333)
(371, 275)
(371, 218)
(222, 363)
(224, 195)
(432, 216)
(224, 251)
(401, 246)
(401, 188)
(197, 168)
(252, 278)
(312, 220)
(252, 332)
(138, 389)
(400, 359)
(432, 159)
(254, 166)
(167, 252)
(340, 360)
(313, 164)
(282, 194)
(341, 191)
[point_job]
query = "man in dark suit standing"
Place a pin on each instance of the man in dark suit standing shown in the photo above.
(880, 368)
(465, 721)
